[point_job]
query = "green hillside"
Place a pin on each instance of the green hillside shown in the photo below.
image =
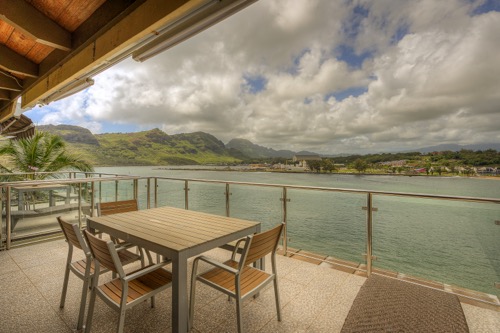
(153, 147)
(255, 151)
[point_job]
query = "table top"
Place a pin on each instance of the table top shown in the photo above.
(173, 228)
(51, 186)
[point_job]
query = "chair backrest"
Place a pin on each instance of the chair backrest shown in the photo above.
(115, 207)
(262, 244)
(105, 253)
(72, 234)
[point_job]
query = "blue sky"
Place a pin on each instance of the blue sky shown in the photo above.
(326, 76)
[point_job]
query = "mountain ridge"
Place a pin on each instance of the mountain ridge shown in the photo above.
(155, 147)
(151, 147)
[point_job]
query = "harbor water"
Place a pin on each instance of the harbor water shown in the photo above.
(453, 242)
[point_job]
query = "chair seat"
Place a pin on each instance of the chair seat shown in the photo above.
(126, 257)
(238, 279)
(137, 287)
(80, 266)
(250, 277)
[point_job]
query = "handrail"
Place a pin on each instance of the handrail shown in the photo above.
(335, 189)
(153, 195)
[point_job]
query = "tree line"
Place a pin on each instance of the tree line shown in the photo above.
(433, 163)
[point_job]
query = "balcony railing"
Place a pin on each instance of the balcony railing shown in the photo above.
(443, 238)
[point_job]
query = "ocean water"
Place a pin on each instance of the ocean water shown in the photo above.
(454, 242)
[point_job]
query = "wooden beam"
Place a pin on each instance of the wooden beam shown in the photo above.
(9, 83)
(8, 108)
(34, 24)
(143, 21)
(4, 94)
(13, 62)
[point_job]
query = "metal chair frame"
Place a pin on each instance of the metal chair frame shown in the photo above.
(229, 277)
(84, 268)
(128, 290)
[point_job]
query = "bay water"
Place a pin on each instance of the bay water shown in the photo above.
(454, 242)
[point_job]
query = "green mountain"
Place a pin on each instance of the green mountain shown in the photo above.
(71, 134)
(255, 151)
(153, 147)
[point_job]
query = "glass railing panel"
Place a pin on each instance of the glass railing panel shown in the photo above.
(107, 190)
(169, 193)
(330, 224)
(453, 242)
(207, 197)
(256, 203)
(142, 193)
(34, 208)
(126, 190)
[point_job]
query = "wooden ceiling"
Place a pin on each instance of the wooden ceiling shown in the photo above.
(47, 45)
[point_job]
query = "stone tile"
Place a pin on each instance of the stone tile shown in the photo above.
(24, 309)
(8, 265)
(481, 320)
(313, 299)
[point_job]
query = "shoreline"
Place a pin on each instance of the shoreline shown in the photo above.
(228, 169)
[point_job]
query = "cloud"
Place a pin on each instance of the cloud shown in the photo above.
(421, 72)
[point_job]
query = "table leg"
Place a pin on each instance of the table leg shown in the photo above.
(179, 294)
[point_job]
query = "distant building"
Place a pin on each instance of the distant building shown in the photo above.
(394, 163)
(488, 171)
(302, 159)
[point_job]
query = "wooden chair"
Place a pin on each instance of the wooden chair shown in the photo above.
(127, 290)
(238, 279)
(84, 268)
(123, 206)
(115, 207)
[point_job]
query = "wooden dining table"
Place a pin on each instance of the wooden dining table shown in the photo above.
(177, 234)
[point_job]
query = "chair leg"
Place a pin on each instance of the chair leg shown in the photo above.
(91, 309)
(83, 303)
(277, 296)
(121, 321)
(140, 252)
(66, 276)
(152, 301)
(238, 313)
(65, 285)
(238, 304)
(192, 294)
(150, 258)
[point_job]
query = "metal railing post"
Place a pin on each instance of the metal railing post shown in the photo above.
(156, 192)
(136, 189)
(186, 198)
(100, 188)
(284, 199)
(92, 199)
(148, 195)
(369, 233)
(227, 199)
(80, 205)
(116, 190)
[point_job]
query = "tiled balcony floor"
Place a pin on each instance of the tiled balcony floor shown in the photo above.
(314, 299)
